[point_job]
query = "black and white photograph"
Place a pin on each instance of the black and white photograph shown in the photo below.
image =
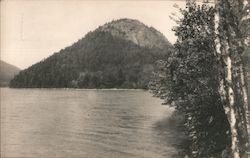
(125, 78)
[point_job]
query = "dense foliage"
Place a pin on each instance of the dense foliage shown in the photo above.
(188, 80)
(233, 20)
(100, 60)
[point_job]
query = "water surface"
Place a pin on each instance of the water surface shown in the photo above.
(84, 123)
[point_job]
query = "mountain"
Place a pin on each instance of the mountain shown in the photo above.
(136, 32)
(7, 73)
(118, 54)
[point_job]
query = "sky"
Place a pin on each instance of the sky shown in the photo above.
(32, 30)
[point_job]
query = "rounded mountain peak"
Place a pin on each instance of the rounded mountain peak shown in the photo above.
(136, 32)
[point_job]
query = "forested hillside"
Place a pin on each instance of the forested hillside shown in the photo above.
(7, 73)
(105, 58)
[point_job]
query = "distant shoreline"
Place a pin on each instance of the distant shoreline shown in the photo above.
(83, 89)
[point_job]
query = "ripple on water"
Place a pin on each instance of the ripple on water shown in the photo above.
(84, 123)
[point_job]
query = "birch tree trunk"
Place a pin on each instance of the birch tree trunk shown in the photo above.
(229, 44)
(245, 18)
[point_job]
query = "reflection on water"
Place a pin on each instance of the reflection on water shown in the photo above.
(84, 123)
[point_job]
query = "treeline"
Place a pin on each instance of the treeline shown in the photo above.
(191, 81)
(99, 60)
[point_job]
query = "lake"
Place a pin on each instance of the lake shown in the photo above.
(85, 123)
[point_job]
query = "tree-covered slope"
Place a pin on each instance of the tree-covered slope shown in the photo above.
(100, 60)
(7, 73)
(136, 32)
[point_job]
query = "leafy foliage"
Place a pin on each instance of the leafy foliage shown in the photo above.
(233, 19)
(189, 81)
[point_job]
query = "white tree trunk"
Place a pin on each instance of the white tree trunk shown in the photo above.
(232, 116)
(226, 82)
(243, 81)
(244, 92)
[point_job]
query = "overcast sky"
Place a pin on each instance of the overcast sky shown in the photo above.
(33, 30)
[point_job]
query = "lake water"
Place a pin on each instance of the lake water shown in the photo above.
(85, 123)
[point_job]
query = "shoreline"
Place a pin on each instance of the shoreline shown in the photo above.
(83, 89)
